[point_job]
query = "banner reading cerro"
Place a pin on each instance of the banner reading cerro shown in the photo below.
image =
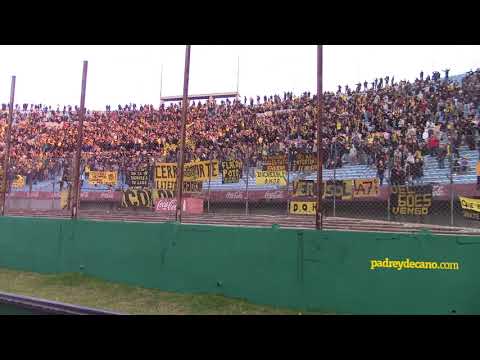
(270, 177)
(470, 207)
(193, 171)
(102, 177)
(231, 171)
(144, 198)
(188, 186)
(303, 207)
(411, 200)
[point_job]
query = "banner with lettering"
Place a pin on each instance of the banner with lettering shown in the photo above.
(304, 162)
(231, 171)
(411, 200)
(304, 188)
(193, 171)
(302, 207)
(343, 189)
(19, 181)
(102, 178)
(137, 178)
(470, 207)
(188, 186)
(144, 198)
(64, 194)
(275, 163)
(365, 188)
(271, 177)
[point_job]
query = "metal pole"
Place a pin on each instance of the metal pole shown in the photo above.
(161, 85)
(53, 194)
(451, 189)
(6, 159)
(389, 171)
(181, 159)
(209, 180)
(238, 76)
(288, 180)
(248, 175)
(76, 170)
(319, 210)
(335, 178)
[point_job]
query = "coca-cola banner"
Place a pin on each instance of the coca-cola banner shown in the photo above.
(169, 205)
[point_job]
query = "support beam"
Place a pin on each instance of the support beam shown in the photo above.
(6, 159)
(319, 211)
(76, 164)
(181, 158)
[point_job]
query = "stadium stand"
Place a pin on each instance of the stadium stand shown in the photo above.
(393, 123)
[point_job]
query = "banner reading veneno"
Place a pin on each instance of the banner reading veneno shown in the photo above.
(102, 178)
(411, 200)
(193, 171)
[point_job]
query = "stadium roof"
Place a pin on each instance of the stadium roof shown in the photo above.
(201, 96)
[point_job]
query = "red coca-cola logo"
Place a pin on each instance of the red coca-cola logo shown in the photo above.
(166, 205)
(234, 195)
(274, 195)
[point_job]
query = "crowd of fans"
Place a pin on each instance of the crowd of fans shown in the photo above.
(390, 125)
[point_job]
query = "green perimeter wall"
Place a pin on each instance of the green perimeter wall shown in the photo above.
(325, 271)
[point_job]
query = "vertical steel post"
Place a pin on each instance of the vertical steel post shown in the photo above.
(6, 159)
(335, 179)
(319, 210)
(76, 170)
(451, 189)
(209, 181)
(248, 175)
(181, 159)
(288, 181)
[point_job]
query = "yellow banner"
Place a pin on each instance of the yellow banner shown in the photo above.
(193, 171)
(102, 177)
(270, 177)
(470, 204)
(365, 188)
(303, 207)
(64, 199)
(19, 181)
(144, 197)
(188, 186)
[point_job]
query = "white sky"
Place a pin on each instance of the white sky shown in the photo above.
(123, 74)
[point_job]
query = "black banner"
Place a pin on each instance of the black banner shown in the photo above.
(144, 198)
(275, 163)
(304, 162)
(231, 171)
(411, 200)
(137, 179)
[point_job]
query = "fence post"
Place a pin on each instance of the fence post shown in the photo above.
(209, 180)
(288, 180)
(335, 178)
(246, 198)
(53, 194)
(451, 190)
(389, 184)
